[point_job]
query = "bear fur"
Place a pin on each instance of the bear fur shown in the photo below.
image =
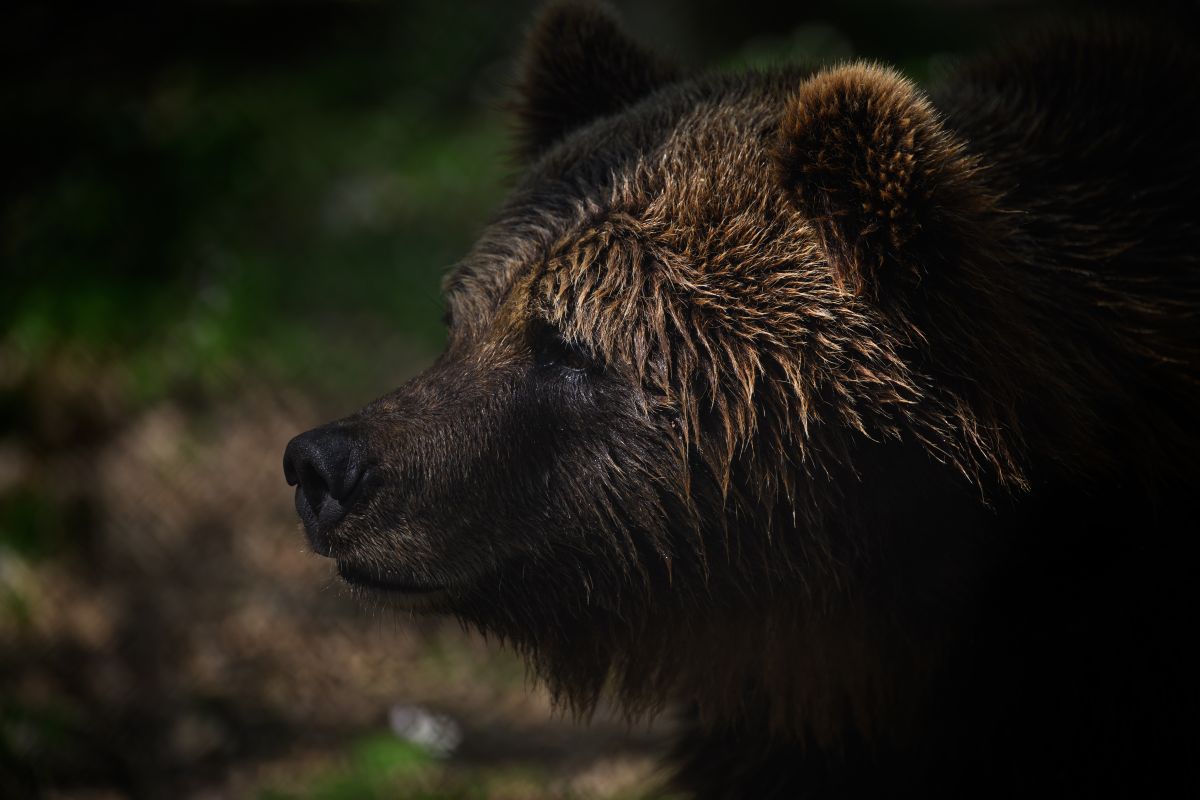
(854, 421)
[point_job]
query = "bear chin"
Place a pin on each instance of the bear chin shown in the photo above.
(404, 591)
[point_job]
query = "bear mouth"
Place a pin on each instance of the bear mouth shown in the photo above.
(418, 593)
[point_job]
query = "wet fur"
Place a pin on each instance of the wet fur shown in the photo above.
(885, 426)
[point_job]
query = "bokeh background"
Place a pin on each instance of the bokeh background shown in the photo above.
(222, 224)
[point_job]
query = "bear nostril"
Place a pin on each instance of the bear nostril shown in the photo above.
(324, 465)
(315, 487)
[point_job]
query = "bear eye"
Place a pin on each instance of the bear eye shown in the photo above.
(553, 349)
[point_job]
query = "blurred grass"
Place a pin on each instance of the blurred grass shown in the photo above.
(384, 768)
(375, 767)
(381, 767)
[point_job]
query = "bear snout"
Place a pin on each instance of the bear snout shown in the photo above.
(324, 466)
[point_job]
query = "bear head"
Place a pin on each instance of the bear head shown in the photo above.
(717, 347)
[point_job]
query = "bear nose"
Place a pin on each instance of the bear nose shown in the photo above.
(323, 466)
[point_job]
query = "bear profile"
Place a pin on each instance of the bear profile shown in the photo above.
(856, 422)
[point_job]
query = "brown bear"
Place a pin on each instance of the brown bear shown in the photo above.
(856, 421)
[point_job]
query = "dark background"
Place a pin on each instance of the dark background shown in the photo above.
(221, 224)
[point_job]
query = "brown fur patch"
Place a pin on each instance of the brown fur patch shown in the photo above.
(868, 160)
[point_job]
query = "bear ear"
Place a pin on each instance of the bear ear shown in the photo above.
(578, 65)
(888, 188)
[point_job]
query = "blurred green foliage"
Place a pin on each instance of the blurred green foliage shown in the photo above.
(381, 767)
(376, 767)
(282, 209)
(31, 524)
